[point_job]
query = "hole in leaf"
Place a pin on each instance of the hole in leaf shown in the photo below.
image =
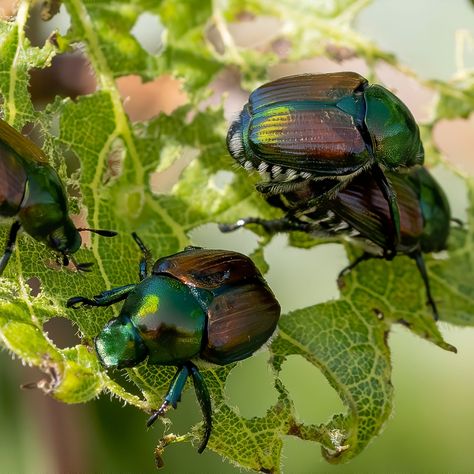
(35, 286)
(142, 101)
(250, 32)
(38, 30)
(8, 9)
(69, 75)
(250, 386)
(418, 99)
(210, 236)
(173, 162)
(221, 180)
(227, 90)
(62, 332)
(148, 31)
(318, 267)
(455, 189)
(455, 140)
(314, 399)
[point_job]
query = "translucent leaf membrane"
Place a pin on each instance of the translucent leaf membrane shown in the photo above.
(347, 339)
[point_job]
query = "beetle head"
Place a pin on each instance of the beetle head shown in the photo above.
(65, 239)
(119, 344)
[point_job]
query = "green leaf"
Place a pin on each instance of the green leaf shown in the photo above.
(347, 339)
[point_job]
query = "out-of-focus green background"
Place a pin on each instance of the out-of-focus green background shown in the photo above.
(432, 427)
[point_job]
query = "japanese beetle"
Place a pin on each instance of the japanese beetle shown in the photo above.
(32, 193)
(361, 211)
(201, 304)
(315, 127)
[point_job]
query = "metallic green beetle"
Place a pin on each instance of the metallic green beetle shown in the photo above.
(211, 305)
(360, 210)
(32, 193)
(328, 127)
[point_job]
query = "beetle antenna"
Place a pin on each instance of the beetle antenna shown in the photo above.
(102, 232)
(80, 267)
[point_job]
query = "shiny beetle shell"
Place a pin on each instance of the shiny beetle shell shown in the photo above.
(424, 211)
(242, 313)
(327, 125)
(32, 192)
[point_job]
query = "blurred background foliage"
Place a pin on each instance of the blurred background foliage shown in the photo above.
(432, 425)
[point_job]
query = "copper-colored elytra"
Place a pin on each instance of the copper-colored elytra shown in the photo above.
(306, 87)
(207, 269)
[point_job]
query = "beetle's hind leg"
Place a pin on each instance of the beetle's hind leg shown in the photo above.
(420, 263)
(391, 198)
(361, 258)
(106, 298)
(173, 396)
(10, 245)
(144, 262)
(204, 399)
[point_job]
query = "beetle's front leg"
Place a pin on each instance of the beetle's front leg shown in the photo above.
(10, 245)
(143, 266)
(272, 226)
(106, 298)
(173, 396)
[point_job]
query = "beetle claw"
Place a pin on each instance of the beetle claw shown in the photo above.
(77, 301)
(160, 412)
(84, 267)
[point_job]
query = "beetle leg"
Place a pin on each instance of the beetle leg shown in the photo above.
(10, 245)
(143, 266)
(173, 396)
(106, 298)
(458, 222)
(361, 258)
(420, 263)
(391, 198)
(272, 226)
(204, 399)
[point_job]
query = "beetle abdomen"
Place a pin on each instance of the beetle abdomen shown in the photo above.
(12, 181)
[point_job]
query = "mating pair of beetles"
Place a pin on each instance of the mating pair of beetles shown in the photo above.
(339, 156)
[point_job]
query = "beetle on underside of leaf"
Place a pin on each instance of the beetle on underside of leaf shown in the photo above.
(32, 193)
(360, 210)
(327, 128)
(198, 304)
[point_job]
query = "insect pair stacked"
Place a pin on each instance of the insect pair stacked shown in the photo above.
(340, 156)
(212, 305)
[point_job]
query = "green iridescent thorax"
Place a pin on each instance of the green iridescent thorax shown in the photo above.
(168, 317)
(435, 210)
(119, 344)
(393, 130)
